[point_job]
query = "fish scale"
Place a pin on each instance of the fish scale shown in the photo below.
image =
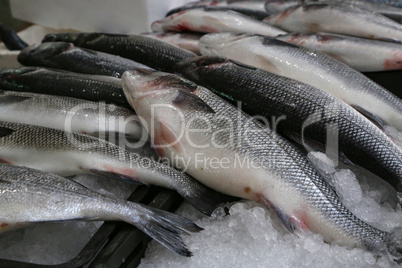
(267, 94)
(284, 167)
(66, 153)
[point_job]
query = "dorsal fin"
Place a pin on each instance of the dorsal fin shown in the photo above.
(4, 132)
(370, 116)
(192, 101)
(12, 99)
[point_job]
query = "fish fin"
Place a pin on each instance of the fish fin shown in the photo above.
(4, 161)
(4, 132)
(12, 99)
(187, 99)
(243, 65)
(116, 176)
(4, 181)
(205, 199)
(370, 116)
(285, 219)
(163, 226)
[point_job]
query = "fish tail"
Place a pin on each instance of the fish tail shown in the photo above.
(163, 226)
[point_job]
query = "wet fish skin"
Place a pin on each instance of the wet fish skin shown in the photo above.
(66, 153)
(266, 94)
(205, 20)
(10, 38)
(188, 41)
(361, 54)
(69, 114)
(275, 6)
(66, 56)
(29, 196)
(145, 50)
(310, 67)
(336, 18)
(63, 83)
(281, 177)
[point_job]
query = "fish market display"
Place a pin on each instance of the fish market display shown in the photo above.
(70, 114)
(149, 51)
(10, 38)
(336, 18)
(361, 54)
(310, 67)
(66, 56)
(31, 196)
(66, 153)
(63, 83)
(273, 172)
(310, 114)
(188, 41)
(205, 20)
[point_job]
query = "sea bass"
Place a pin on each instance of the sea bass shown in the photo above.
(10, 38)
(66, 56)
(362, 54)
(63, 83)
(309, 115)
(205, 20)
(69, 114)
(232, 153)
(310, 67)
(336, 18)
(188, 41)
(66, 153)
(149, 51)
(31, 196)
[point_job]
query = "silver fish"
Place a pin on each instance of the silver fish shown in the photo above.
(210, 21)
(30, 196)
(187, 41)
(65, 153)
(336, 18)
(275, 6)
(66, 56)
(232, 153)
(310, 67)
(361, 54)
(69, 114)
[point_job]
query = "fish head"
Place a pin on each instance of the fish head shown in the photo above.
(34, 54)
(163, 102)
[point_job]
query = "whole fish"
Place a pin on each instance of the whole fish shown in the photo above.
(275, 6)
(336, 18)
(66, 56)
(311, 115)
(149, 51)
(188, 41)
(361, 54)
(234, 154)
(69, 114)
(310, 67)
(67, 153)
(30, 196)
(63, 83)
(205, 20)
(10, 38)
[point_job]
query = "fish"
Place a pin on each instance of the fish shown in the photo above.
(188, 41)
(310, 67)
(149, 51)
(65, 56)
(205, 20)
(269, 169)
(395, 3)
(309, 115)
(29, 196)
(362, 54)
(275, 6)
(68, 153)
(253, 9)
(10, 38)
(69, 114)
(63, 83)
(336, 18)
